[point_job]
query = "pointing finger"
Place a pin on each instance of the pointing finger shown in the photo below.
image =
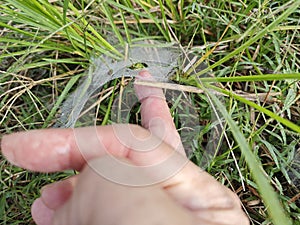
(155, 113)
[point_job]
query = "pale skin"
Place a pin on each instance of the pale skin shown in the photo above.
(190, 196)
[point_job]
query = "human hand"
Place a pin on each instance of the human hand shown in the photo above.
(191, 194)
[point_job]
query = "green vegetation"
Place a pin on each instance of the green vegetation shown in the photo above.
(252, 52)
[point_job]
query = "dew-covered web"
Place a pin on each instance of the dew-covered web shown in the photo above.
(160, 59)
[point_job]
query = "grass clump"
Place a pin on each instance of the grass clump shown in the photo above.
(252, 53)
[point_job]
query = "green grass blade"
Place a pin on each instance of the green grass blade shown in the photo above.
(12, 28)
(284, 121)
(263, 77)
(127, 32)
(45, 16)
(259, 35)
(273, 205)
(62, 96)
(65, 9)
(147, 14)
(108, 14)
(111, 100)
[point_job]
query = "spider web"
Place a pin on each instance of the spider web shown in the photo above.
(161, 59)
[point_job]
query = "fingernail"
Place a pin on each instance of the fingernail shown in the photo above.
(144, 74)
(8, 150)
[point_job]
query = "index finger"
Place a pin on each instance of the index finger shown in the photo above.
(156, 116)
